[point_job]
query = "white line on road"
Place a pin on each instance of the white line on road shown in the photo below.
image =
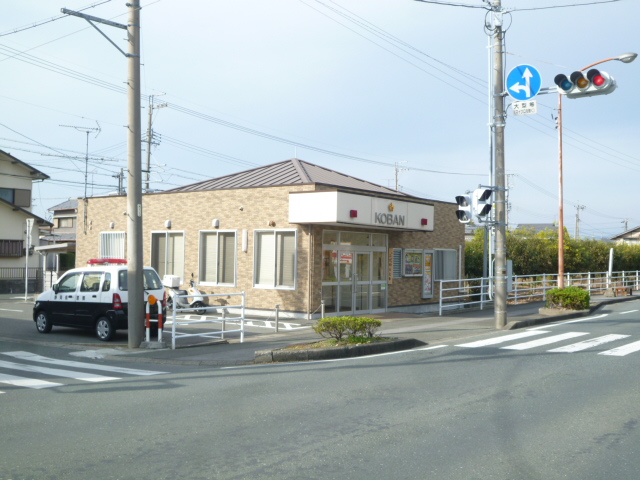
(545, 341)
(87, 377)
(502, 339)
(593, 342)
(68, 363)
(277, 364)
(630, 311)
(9, 310)
(586, 319)
(26, 382)
(622, 351)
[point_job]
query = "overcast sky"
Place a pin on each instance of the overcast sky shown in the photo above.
(353, 85)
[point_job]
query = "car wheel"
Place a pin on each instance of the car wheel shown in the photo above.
(170, 303)
(198, 308)
(104, 329)
(43, 324)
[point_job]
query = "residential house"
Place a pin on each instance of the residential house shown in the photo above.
(20, 230)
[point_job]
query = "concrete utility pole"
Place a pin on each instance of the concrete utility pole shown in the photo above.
(500, 272)
(578, 208)
(150, 138)
(135, 263)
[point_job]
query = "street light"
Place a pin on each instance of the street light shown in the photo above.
(624, 58)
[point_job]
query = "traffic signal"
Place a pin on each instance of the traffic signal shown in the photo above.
(579, 85)
(464, 208)
(482, 201)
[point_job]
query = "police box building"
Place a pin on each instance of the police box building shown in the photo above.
(292, 234)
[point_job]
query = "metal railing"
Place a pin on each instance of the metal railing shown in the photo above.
(207, 318)
(477, 292)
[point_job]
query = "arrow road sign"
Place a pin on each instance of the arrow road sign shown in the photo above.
(523, 82)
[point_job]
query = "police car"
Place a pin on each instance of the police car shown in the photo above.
(95, 297)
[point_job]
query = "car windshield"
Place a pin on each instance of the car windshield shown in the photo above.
(151, 280)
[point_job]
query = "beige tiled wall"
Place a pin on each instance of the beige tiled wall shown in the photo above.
(253, 209)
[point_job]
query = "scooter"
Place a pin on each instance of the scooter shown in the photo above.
(194, 299)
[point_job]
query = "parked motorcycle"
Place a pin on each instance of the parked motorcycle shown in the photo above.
(194, 299)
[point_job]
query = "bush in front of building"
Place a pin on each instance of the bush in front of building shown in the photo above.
(351, 327)
(571, 298)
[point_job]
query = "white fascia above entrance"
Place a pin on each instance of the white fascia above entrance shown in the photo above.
(359, 210)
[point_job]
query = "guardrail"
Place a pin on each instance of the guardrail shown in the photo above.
(478, 292)
(222, 319)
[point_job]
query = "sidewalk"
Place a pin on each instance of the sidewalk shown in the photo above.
(429, 329)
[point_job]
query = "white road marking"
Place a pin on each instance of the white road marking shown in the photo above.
(593, 342)
(87, 377)
(89, 366)
(585, 319)
(623, 350)
(502, 339)
(26, 382)
(9, 310)
(630, 311)
(544, 341)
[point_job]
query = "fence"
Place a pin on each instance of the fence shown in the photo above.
(477, 292)
(12, 279)
(209, 318)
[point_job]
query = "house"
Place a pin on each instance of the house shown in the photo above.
(292, 234)
(20, 230)
(630, 237)
(537, 227)
(59, 251)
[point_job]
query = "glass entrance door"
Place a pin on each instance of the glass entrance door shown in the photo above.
(354, 274)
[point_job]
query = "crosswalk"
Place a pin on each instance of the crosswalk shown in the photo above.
(37, 372)
(526, 341)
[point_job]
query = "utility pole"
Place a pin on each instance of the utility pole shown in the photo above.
(86, 165)
(135, 263)
(150, 135)
(578, 208)
(398, 170)
(500, 273)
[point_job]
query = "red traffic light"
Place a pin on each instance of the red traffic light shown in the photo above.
(578, 84)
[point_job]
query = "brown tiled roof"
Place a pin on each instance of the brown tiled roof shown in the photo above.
(288, 172)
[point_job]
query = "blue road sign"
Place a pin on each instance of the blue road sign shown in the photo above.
(523, 82)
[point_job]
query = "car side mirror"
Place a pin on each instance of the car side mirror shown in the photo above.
(56, 287)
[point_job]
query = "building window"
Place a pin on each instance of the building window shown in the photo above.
(113, 245)
(11, 248)
(218, 258)
(167, 253)
(19, 197)
(275, 259)
(445, 265)
(65, 222)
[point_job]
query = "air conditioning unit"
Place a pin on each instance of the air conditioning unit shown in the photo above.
(171, 281)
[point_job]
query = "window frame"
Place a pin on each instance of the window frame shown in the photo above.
(167, 234)
(103, 240)
(201, 254)
(275, 232)
(438, 269)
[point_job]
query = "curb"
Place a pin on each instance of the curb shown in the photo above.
(288, 355)
(564, 316)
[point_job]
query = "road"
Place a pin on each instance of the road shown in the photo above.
(559, 401)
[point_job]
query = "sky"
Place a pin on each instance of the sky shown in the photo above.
(364, 87)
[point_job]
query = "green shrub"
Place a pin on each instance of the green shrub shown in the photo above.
(338, 327)
(572, 298)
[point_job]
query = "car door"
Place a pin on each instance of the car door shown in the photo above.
(88, 305)
(63, 303)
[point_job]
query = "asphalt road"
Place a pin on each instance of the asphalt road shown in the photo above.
(559, 401)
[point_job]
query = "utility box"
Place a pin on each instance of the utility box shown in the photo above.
(171, 281)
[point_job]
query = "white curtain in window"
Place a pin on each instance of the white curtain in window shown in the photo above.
(112, 245)
(227, 257)
(286, 258)
(209, 257)
(265, 258)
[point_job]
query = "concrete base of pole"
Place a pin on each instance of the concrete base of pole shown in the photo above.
(153, 345)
